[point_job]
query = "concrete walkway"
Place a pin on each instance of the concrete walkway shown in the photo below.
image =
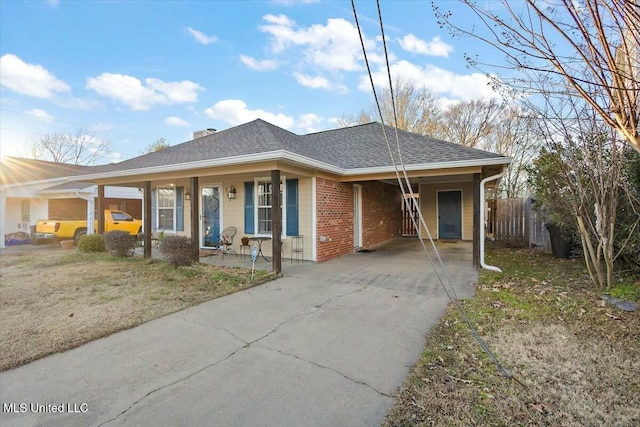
(328, 345)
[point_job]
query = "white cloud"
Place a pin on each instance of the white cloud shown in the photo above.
(130, 91)
(312, 82)
(176, 121)
(113, 157)
(29, 79)
(235, 112)
(53, 3)
(260, 65)
(308, 122)
(334, 46)
(318, 82)
(435, 79)
(40, 114)
(201, 37)
(279, 20)
(176, 92)
(435, 47)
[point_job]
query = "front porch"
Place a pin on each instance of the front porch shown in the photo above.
(400, 264)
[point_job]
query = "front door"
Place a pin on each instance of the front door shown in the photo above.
(209, 216)
(450, 214)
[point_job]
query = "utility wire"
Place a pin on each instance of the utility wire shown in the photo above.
(446, 282)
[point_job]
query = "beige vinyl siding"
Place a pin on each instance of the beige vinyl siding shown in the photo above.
(429, 203)
(232, 211)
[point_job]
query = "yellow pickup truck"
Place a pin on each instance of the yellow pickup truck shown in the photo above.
(74, 229)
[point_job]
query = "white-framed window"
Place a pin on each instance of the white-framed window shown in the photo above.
(264, 206)
(166, 214)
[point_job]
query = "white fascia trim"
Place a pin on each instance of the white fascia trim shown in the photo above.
(227, 161)
(315, 164)
(432, 166)
(286, 155)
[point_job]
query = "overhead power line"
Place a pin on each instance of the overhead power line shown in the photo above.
(405, 186)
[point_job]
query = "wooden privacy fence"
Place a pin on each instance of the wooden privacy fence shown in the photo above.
(514, 222)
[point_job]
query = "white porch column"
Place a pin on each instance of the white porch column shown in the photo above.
(91, 216)
(3, 218)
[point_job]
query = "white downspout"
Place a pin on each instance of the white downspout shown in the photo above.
(482, 230)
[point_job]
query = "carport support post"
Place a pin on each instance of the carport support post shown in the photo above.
(276, 222)
(477, 205)
(195, 223)
(146, 217)
(100, 209)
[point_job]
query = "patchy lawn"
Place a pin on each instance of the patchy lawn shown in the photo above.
(54, 300)
(575, 360)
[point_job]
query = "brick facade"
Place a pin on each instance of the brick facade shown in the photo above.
(381, 216)
(77, 208)
(67, 209)
(334, 205)
(381, 213)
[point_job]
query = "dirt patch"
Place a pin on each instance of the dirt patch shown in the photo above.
(53, 300)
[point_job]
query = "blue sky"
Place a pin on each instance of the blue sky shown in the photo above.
(133, 72)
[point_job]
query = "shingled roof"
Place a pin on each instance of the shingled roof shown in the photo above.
(346, 150)
(364, 146)
(19, 170)
(352, 148)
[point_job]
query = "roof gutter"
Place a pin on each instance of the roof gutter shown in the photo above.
(482, 228)
(287, 155)
(431, 166)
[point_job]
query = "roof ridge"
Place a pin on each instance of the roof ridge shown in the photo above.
(341, 128)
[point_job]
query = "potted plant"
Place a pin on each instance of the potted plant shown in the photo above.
(245, 241)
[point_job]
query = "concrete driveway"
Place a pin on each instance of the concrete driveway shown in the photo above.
(328, 345)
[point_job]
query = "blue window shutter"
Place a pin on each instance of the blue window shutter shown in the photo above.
(154, 213)
(292, 207)
(179, 208)
(248, 208)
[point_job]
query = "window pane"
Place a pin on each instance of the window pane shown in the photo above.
(166, 198)
(165, 220)
(166, 208)
(264, 193)
(264, 220)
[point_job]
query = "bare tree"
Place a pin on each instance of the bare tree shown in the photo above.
(515, 135)
(581, 172)
(589, 47)
(347, 121)
(160, 144)
(469, 123)
(79, 149)
(417, 110)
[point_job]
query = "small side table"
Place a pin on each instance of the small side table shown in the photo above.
(260, 239)
(245, 250)
(297, 248)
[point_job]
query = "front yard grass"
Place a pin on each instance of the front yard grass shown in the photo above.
(575, 359)
(54, 300)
